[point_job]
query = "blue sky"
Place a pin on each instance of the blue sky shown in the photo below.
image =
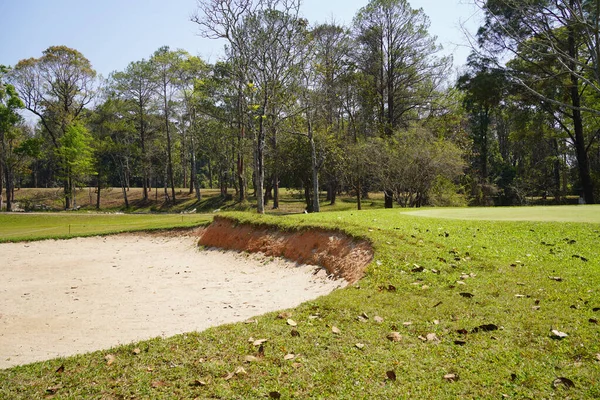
(113, 33)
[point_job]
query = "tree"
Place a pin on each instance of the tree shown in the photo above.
(56, 88)
(562, 33)
(397, 54)
(137, 85)
(9, 118)
(165, 63)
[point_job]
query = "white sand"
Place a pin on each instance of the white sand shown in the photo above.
(59, 298)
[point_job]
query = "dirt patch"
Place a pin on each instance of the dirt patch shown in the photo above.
(340, 254)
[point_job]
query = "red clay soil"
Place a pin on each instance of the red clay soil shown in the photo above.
(341, 255)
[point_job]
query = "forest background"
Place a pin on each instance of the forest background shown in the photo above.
(370, 106)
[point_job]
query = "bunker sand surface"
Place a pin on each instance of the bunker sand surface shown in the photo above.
(60, 298)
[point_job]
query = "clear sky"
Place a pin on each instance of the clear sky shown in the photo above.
(113, 33)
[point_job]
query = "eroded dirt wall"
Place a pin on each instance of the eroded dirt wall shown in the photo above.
(341, 255)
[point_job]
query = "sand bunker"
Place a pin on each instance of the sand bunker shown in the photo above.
(60, 298)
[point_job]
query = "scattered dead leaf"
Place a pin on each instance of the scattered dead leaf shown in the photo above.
(60, 369)
(417, 268)
(467, 295)
(284, 315)
(199, 383)
(391, 375)
(157, 384)
(53, 389)
(462, 331)
(556, 334)
(297, 365)
(451, 377)
(259, 342)
(335, 330)
(563, 382)
(240, 371)
(598, 357)
(250, 359)
(274, 395)
(378, 319)
(394, 336)
(408, 323)
(229, 376)
(295, 332)
(460, 342)
(250, 321)
(432, 337)
(485, 328)
(359, 346)
(556, 278)
(291, 322)
(593, 321)
(136, 351)
(290, 356)
(110, 359)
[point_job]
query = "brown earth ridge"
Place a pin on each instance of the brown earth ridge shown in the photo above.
(341, 255)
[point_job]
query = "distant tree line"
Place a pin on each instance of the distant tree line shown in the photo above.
(321, 108)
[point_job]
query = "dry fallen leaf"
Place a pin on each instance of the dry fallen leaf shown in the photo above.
(229, 376)
(53, 389)
(250, 359)
(109, 359)
(408, 323)
(394, 336)
(485, 328)
(198, 382)
(251, 321)
(556, 278)
(335, 330)
(467, 295)
(136, 351)
(275, 395)
(562, 381)
(60, 369)
(598, 357)
(240, 371)
(391, 375)
(451, 377)
(291, 322)
(556, 334)
(432, 337)
(157, 384)
(297, 365)
(295, 332)
(259, 342)
(378, 319)
(359, 345)
(290, 356)
(284, 315)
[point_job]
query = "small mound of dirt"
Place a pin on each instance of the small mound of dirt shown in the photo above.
(341, 255)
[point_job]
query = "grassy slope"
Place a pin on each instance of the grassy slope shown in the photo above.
(17, 227)
(511, 263)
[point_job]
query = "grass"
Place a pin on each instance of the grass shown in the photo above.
(526, 278)
(20, 227)
(584, 213)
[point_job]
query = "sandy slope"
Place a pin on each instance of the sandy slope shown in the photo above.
(59, 298)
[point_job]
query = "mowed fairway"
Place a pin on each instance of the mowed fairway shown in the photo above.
(18, 227)
(583, 213)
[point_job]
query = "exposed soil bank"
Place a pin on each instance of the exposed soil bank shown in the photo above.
(342, 256)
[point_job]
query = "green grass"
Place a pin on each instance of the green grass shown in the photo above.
(585, 213)
(20, 227)
(510, 265)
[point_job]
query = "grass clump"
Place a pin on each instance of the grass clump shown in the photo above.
(474, 304)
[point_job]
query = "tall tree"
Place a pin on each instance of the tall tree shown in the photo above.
(399, 57)
(566, 32)
(56, 88)
(9, 118)
(137, 85)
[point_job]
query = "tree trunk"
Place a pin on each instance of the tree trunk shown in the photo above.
(314, 167)
(169, 147)
(1, 188)
(358, 195)
(195, 180)
(260, 162)
(98, 186)
(583, 164)
(144, 160)
(389, 198)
